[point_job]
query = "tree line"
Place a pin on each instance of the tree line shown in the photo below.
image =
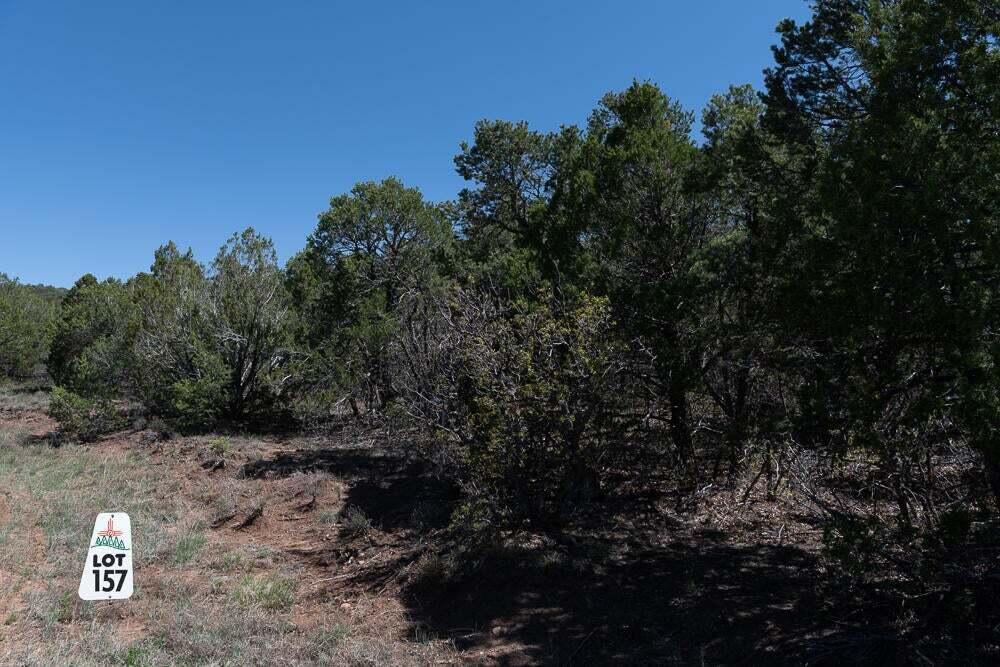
(814, 279)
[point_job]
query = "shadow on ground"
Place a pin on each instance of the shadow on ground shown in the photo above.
(707, 604)
(658, 592)
(386, 487)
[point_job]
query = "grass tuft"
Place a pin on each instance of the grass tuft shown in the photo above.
(356, 522)
(188, 546)
(274, 593)
(220, 446)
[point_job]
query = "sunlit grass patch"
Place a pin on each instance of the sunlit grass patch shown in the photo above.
(187, 547)
(232, 561)
(267, 591)
(220, 446)
(62, 489)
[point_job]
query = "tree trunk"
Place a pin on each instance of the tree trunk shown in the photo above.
(680, 430)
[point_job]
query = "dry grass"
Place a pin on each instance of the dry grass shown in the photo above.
(209, 596)
(22, 397)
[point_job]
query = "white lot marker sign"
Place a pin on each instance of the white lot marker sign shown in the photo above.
(107, 574)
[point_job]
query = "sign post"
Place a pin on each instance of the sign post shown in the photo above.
(107, 572)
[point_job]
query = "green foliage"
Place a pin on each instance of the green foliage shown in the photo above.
(248, 322)
(480, 519)
(196, 403)
(178, 373)
(643, 217)
(270, 592)
(190, 346)
(84, 419)
(27, 317)
(892, 109)
(210, 346)
(541, 410)
(188, 546)
(220, 446)
(510, 166)
(819, 275)
(91, 348)
(372, 250)
(518, 217)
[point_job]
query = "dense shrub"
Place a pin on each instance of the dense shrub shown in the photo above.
(26, 322)
(172, 347)
(248, 323)
(196, 403)
(82, 418)
(91, 350)
(535, 410)
(188, 345)
(211, 343)
(546, 403)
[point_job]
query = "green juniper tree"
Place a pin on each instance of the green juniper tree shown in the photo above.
(248, 323)
(373, 250)
(644, 225)
(26, 321)
(892, 107)
(91, 346)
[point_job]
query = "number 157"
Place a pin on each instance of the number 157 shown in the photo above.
(109, 583)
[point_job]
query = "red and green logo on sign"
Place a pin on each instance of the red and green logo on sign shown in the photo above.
(109, 537)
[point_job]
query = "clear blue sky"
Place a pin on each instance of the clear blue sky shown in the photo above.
(127, 124)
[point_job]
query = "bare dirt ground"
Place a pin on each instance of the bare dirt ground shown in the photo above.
(328, 550)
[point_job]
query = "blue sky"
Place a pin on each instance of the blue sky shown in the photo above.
(127, 124)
